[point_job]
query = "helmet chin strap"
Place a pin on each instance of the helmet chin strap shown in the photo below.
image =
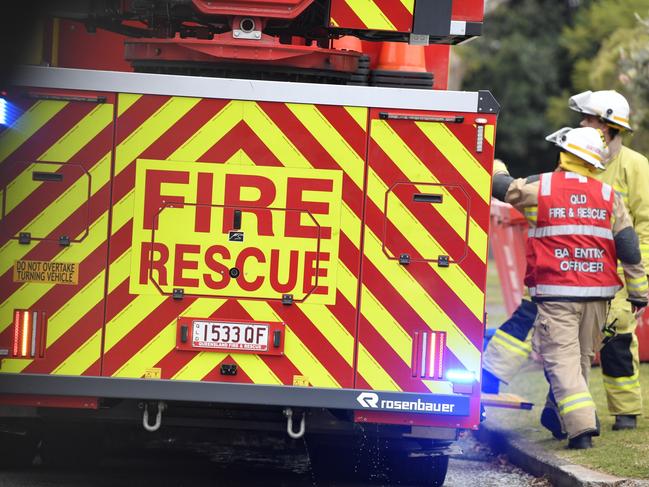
(572, 163)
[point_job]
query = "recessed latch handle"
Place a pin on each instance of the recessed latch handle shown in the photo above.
(427, 198)
(236, 220)
(47, 176)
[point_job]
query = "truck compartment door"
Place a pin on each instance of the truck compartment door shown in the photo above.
(55, 182)
(424, 254)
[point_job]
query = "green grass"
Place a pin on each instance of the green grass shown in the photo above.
(621, 453)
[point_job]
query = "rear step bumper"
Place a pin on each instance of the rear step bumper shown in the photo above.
(227, 393)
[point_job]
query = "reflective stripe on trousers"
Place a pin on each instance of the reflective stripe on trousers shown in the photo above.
(622, 383)
(574, 402)
(564, 335)
(512, 344)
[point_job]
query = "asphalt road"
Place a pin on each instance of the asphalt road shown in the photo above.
(261, 462)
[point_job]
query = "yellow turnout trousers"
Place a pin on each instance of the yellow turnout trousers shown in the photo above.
(509, 350)
(565, 335)
(620, 359)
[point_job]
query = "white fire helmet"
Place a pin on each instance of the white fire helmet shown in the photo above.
(609, 105)
(586, 143)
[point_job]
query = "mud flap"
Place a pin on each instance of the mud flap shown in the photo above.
(505, 400)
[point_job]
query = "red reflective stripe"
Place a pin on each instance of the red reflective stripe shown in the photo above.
(25, 333)
(414, 359)
(17, 330)
(429, 368)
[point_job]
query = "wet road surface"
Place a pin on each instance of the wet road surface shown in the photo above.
(266, 462)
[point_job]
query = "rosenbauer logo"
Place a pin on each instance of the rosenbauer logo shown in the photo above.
(190, 220)
(368, 399)
(373, 401)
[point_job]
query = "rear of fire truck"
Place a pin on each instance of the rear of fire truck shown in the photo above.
(239, 226)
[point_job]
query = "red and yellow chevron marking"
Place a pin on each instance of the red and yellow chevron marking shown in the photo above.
(407, 158)
(141, 329)
(329, 343)
(74, 139)
(386, 15)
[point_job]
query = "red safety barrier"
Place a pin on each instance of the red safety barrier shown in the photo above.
(643, 337)
(508, 235)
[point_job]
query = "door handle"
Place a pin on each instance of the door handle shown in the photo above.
(236, 220)
(47, 176)
(427, 198)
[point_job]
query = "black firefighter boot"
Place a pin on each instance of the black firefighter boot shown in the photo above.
(581, 442)
(550, 420)
(490, 383)
(625, 422)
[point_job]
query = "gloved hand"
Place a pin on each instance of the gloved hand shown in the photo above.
(637, 306)
(499, 167)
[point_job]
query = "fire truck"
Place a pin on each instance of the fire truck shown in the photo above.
(246, 215)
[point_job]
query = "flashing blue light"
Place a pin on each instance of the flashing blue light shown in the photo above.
(9, 113)
(460, 376)
(3, 111)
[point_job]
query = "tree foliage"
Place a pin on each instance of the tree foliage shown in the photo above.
(535, 54)
(634, 78)
(519, 60)
(605, 36)
(609, 48)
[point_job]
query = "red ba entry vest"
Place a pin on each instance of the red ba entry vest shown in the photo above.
(571, 252)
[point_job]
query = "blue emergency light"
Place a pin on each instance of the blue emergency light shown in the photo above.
(8, 112)
(3, 111)
(460, 376)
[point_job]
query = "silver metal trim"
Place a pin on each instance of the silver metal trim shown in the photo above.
(242, 34)
(418, 40)
(34, 329)
(479, 143)
(424, 349)
(237, 89)
(458, 27)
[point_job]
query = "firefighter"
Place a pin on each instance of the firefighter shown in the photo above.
(580, 230)
(628, 172)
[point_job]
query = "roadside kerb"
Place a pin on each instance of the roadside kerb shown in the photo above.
(538, 462)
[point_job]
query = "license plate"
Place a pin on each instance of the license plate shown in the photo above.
(230, 336)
